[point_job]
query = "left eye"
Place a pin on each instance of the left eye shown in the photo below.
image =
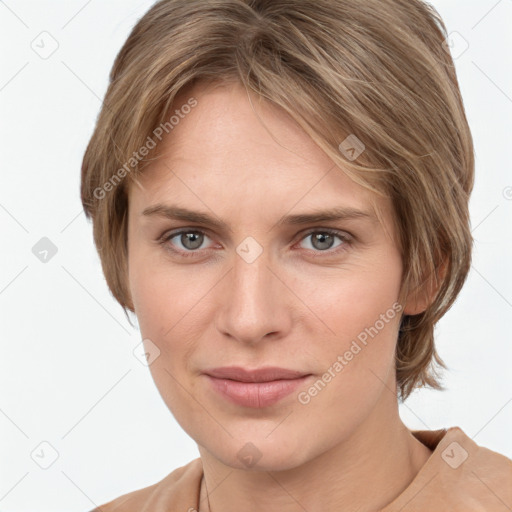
(191, 240)
(323, 240)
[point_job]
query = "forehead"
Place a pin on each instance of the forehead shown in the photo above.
(229, 124)
(235, 150)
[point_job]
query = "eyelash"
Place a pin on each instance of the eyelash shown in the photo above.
(344, 237)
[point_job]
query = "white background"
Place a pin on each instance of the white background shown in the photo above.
(67, 372)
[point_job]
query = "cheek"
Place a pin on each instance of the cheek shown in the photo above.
(161, 311)
(150, 299)
(151, 296)
(170, 312)
(354, 298)
(361, 311)
(358, 362)
(157, 295)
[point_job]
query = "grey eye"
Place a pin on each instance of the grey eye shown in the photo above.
(322, 240)
(190, 240)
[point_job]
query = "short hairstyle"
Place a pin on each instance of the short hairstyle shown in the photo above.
(374, 74)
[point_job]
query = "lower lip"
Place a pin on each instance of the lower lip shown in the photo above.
(256, 394)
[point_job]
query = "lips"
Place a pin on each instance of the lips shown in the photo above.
(255, 388)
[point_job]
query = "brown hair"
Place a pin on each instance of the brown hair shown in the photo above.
(375, 70)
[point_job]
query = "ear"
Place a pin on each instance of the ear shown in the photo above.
(420, 298)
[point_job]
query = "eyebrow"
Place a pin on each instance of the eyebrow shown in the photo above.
(332, 214)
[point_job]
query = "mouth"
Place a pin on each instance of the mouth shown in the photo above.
(255, 388)
(267, 374)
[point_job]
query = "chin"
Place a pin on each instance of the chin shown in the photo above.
(260, 453)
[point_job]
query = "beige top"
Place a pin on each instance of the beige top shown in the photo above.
(458, 476)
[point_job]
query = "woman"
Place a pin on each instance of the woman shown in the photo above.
(279, 192)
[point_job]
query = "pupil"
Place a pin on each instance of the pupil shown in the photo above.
(321, 237)
(189, 237)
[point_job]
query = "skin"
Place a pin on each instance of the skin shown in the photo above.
(299, 305)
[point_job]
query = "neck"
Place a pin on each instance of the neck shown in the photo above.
(364, 472)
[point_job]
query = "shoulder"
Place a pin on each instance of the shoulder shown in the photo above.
(488, 469)
(464, 474)
(457, 449)
(180, 488)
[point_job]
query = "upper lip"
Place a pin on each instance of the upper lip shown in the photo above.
(266, 374)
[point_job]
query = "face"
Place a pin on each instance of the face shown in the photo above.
(255, 283)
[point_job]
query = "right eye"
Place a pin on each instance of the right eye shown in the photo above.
(190, 239)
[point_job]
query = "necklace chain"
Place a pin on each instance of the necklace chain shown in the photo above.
(203, 491)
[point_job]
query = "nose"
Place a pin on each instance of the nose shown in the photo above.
(254, 302)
